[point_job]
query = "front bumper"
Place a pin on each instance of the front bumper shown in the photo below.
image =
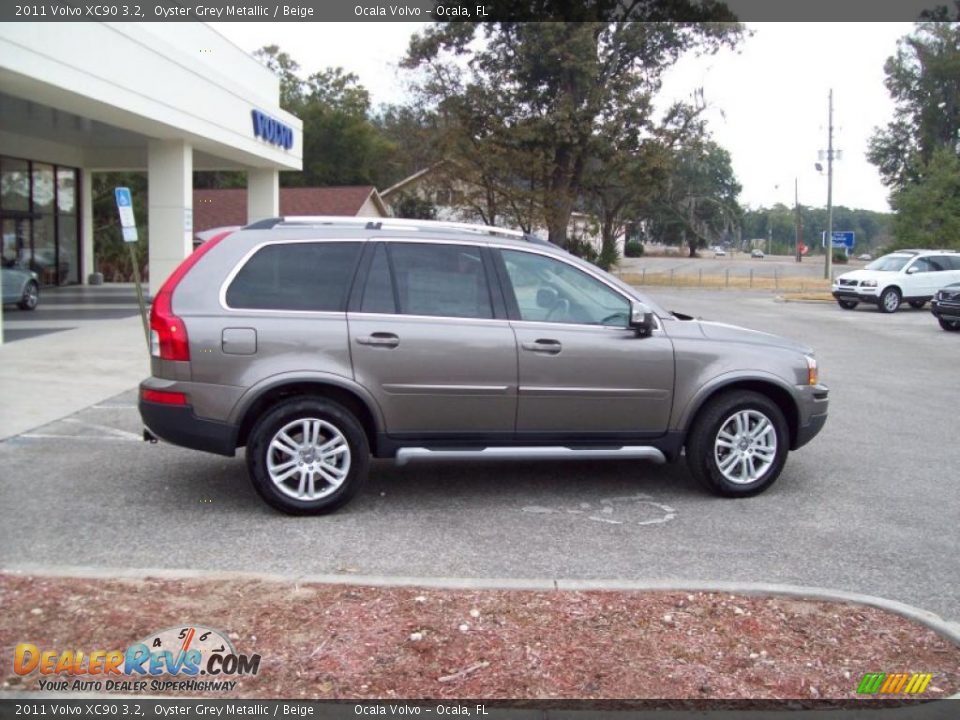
(812, 406)
(856, 294)
(945, 309)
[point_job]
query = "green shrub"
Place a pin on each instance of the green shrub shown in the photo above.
(840, 256)
(582, 249)
(633, 248)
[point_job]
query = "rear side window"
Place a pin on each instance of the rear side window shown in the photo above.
(296, 276)
(943, 263)
(438, 279)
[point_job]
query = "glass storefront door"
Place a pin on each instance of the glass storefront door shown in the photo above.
(39, 215)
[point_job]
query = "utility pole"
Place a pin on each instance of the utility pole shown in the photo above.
(799, 220)
(828, 266)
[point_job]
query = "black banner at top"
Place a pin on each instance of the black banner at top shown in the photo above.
(476, 10)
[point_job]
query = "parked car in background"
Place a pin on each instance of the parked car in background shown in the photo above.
(719, 252)
(913, 276)
(865, 256)
(945, 306)
(20, 286)
(757, 253)
(318, 342)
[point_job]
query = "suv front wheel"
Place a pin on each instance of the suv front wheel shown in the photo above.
(307, 456)
(889, 300)
(738, 444)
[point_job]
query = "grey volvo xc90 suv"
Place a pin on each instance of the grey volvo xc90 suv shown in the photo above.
(316, 342)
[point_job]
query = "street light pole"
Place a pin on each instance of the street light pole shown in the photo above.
(796, 206)
(828, 266)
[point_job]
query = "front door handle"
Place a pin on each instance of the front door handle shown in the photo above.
(543, 345)
(380, 339)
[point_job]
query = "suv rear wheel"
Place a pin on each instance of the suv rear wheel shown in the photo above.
(738, 444)
(917, 304)
(847, 304)
(307, 456)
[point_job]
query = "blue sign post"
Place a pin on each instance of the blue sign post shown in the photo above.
(841, 239)
(128, 224)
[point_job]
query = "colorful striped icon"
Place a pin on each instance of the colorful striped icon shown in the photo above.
(894, 683)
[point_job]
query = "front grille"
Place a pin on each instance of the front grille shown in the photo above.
(848, 282)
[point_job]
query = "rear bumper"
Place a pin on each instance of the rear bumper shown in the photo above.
(179, 425)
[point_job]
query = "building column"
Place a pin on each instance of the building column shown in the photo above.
(263, 194)
(87, 261)
(170, 185)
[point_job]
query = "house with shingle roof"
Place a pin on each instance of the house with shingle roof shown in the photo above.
(228, 207)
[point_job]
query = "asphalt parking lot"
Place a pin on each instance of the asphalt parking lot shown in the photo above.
(869, 506)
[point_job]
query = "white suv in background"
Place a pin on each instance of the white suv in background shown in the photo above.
(905, 275)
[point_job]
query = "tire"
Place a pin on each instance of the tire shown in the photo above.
(311, 486)
(847, 304)
(31, 296)
(917, 304)
(706, 452)
(889, 300)
(949, 325)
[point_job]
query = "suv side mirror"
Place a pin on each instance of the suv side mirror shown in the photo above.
(641, 318)
(912, 269)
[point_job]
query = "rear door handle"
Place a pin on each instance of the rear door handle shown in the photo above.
(380, 339)
(543, 345)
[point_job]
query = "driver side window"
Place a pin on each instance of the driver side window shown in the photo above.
(548, 290)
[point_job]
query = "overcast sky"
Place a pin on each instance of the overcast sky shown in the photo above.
(767, 100)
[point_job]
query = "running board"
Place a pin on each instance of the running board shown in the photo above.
(631, 452)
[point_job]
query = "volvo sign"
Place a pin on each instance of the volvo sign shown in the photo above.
(272, 130)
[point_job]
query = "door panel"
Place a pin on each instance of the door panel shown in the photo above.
(593, 379)
(425, 341)
(437, 375)
(582, 370)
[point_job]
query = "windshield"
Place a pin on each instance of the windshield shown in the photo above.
(889, 263)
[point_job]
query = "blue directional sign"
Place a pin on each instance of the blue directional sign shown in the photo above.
(125, 207)
(841, 239)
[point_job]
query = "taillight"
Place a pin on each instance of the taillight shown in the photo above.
(168, 335)
(163, 397)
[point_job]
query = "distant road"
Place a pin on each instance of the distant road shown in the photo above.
(739, 265)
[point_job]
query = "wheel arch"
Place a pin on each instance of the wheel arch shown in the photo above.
(258, 400)
(773, 390)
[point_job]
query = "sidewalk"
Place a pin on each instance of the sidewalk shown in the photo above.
(47, 373)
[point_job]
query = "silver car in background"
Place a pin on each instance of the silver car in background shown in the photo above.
(21, 287)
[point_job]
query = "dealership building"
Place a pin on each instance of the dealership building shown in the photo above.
(80, 98)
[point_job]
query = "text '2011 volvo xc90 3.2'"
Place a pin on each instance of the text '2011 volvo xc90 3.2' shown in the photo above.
(318, 342)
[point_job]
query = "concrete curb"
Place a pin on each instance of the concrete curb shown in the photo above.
(814, 301)
(945, 628)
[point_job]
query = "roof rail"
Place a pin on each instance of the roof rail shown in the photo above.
(384, 224)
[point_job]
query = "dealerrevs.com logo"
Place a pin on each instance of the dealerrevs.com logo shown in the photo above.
(188, 659)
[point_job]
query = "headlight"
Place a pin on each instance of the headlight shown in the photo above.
(868, 283)
(811, 370)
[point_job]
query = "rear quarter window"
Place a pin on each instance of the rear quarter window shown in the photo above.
(311, 276)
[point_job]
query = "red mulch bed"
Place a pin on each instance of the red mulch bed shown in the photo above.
(342, 641)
